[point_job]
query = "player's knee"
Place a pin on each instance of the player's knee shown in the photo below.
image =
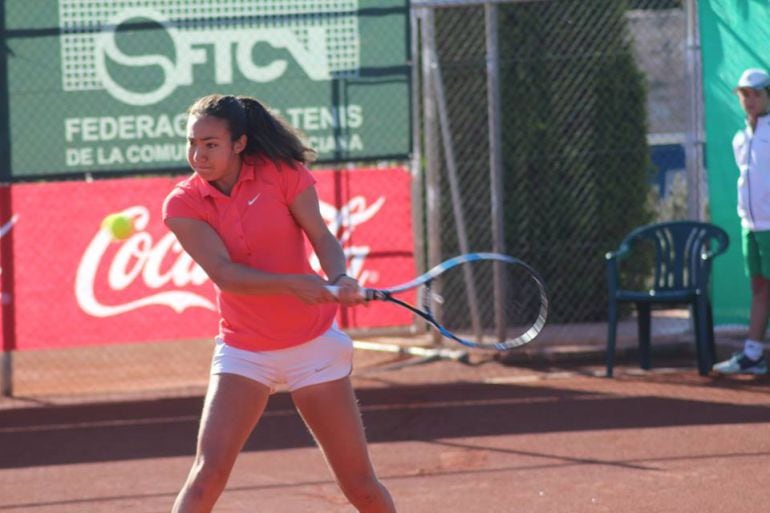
(209, 478)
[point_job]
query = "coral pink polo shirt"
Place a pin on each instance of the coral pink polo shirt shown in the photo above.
(259, 231)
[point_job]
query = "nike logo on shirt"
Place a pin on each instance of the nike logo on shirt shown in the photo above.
(252, 200)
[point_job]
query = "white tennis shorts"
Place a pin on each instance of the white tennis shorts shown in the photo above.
(325, 358)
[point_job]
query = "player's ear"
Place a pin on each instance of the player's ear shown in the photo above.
(240, 144)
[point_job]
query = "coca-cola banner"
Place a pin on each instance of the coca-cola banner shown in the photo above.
(75, 286)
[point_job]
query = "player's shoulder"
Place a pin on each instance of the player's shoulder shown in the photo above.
(187, 190)
(282, 174)
(269, 166)
(187, 186)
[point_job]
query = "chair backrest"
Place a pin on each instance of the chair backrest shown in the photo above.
(680, 247)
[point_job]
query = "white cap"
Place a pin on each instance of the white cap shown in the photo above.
(754, 78)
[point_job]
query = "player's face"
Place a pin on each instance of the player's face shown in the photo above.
(211, 151)
(755, 102)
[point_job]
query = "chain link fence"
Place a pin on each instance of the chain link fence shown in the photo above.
(585, 114)
(550, 130)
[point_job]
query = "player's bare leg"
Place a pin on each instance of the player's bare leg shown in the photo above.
(751, 360)
(232, 408)
(331, 412)
(760, 302)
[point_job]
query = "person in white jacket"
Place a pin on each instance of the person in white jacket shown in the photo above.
(751, 147)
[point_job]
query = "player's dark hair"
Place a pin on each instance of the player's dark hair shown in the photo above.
(267, 134)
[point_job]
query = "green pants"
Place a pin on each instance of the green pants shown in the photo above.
(756, 252)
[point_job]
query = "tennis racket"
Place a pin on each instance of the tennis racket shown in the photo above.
(482, 300)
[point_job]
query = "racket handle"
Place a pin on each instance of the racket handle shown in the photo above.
(367, 294)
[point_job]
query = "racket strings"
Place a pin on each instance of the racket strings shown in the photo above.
(488, 304)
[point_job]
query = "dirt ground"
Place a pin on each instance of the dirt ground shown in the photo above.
(537, 434)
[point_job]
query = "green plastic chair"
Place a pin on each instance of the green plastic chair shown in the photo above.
(683, 252)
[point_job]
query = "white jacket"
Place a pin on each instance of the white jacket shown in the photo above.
(752, 156)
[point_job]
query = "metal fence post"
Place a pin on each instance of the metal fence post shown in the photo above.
(495, 161)
(7, 307)
(432, 163)
(454, 188)
(7, 304)
(430, 127)
(694, 140)
(418, 188)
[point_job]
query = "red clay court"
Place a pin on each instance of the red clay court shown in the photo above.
(533, 437)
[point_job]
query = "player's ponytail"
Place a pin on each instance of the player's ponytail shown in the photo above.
(267, 134)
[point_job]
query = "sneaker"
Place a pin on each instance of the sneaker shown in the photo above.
(739, 363)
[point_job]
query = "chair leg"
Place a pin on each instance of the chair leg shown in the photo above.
(612, 329)
(703, 337)
(696, 327)
(643, 312)
(712, 345)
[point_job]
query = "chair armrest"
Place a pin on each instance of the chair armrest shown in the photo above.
(619, 253)
(707, 259)
(721, 241)
(613, 269)
(710, 255)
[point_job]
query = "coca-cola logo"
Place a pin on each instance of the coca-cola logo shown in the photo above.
(342, 223)
(5, 297)
(5, 228)
(141, 258)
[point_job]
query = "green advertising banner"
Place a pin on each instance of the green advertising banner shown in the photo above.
(734, 36)
(103, 85)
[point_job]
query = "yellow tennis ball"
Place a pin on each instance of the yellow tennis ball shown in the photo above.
(119, 226)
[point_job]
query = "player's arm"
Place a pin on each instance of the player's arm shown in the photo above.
(306, 211)
(206, 247)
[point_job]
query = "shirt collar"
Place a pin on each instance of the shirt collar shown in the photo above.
(764, 117)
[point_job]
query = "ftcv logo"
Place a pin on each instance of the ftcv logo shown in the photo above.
(141, 55)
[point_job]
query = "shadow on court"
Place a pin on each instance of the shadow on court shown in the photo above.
(161, 428)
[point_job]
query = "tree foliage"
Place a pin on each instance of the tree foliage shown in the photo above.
(575, 155)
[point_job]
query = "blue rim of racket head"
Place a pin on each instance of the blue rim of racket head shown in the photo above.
(524, 338)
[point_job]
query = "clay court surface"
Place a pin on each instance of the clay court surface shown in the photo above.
(531, 437)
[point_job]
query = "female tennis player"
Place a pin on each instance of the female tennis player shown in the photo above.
(241, 216)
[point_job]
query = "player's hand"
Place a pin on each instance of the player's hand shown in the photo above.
(350, 293)
(311, 289)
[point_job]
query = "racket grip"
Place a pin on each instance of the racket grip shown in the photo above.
(335, 290)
